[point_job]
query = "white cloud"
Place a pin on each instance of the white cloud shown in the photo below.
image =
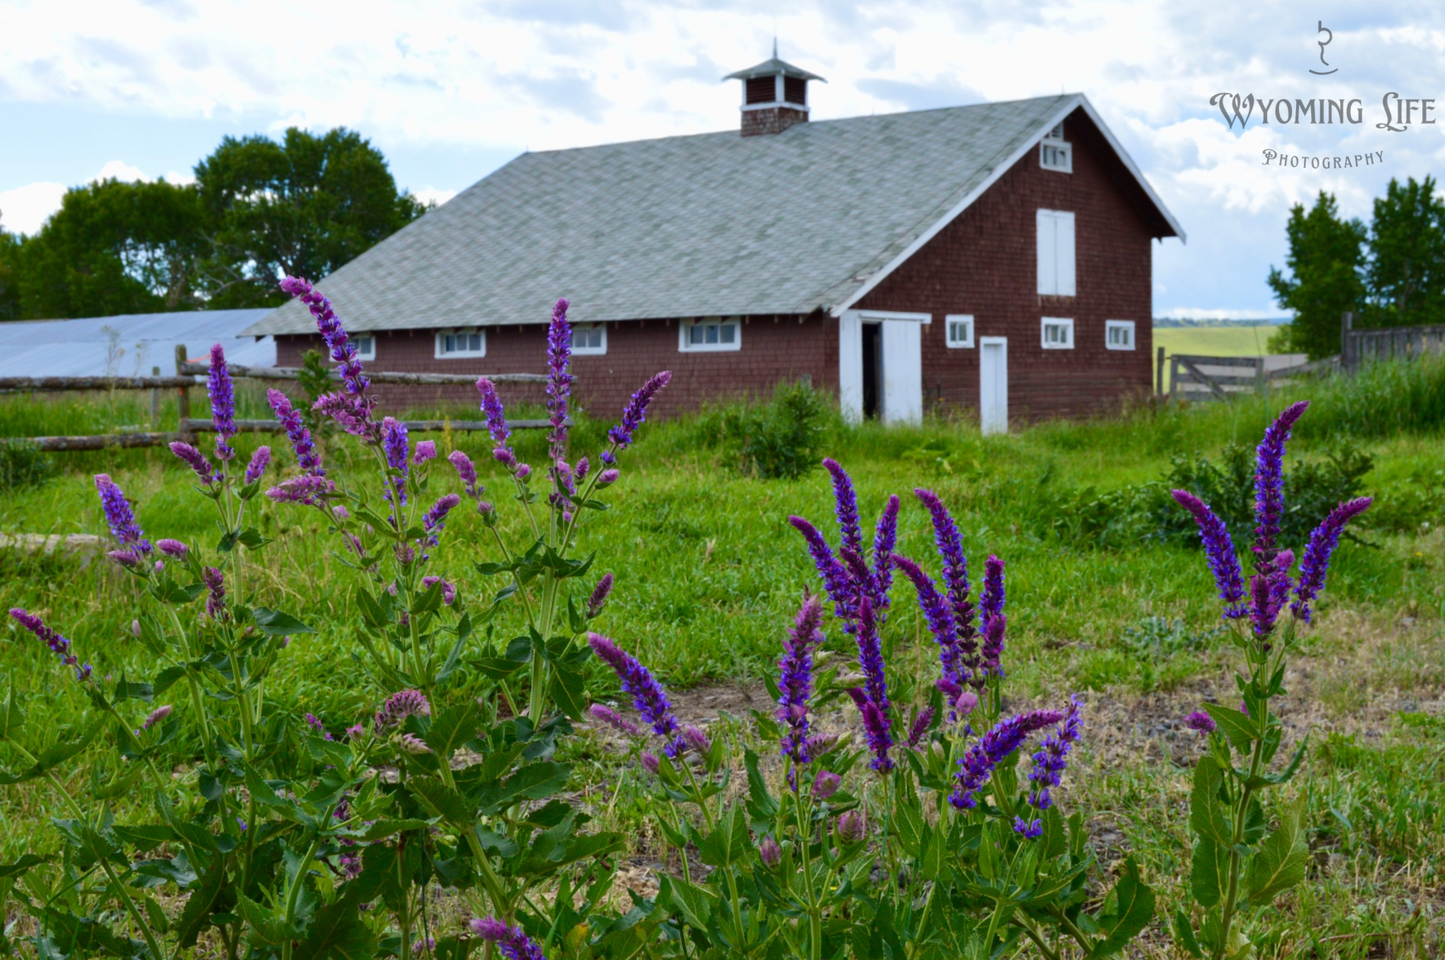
(122, 171)
(437, 197)
(25, 209)
(1222, 313)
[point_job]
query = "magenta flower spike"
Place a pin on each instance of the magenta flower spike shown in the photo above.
(939, 616)
(296, 432)
(512, 943)
(845, 506)
(196, 460)
(635, 412)
(260, 460)
(648, 697)
(1269, 482)
(994, 620)
(343, 352)
(1219, 549)
(223, 403)
(836, 579)
(885, 538)
(559, 381)
(53, 639)
(120, 517)
(795, 680)
(977, 765)
(1316, 563)
(598, 599)
(399, 706)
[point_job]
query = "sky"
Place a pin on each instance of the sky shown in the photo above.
(450, 90)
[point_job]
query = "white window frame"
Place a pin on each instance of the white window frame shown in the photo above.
(461, 354)
(966, 343)
(1057, 253)
(1055, 153)
(1067, 323)
(684, 332)
(368, 353)
(590, 351)
(1126, 325)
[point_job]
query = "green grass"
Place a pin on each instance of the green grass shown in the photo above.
(709, 573)
(1215, 341)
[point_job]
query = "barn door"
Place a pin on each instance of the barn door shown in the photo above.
(902, 400)
(993, 384)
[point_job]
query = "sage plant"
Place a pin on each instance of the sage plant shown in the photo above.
(1238, 866)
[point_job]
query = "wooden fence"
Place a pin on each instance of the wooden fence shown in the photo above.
(1359, 347)
(185, 380)
(1198, 377)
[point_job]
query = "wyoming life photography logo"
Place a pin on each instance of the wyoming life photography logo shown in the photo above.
(1400, 114)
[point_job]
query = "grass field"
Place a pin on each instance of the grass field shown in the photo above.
(709, 573)
(1215, 341)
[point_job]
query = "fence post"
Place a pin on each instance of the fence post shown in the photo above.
(1261, 385)
(155, 399)
(1159, 374)
(1173, 375)
(183, 398)
(1347, 323)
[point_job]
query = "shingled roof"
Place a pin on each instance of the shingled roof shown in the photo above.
(689, 226)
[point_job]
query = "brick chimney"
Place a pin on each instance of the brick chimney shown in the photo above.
(775, 95)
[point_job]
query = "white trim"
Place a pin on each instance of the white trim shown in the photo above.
(590, 351)
(1068, 325)
(948, 321)
(685, 346)
(1073, 103)
(850, 366)
(877, 315)
(1112, 325)
(461, 354)
(370, 339)
(1062, 149)
(984, 380)
(901, 383)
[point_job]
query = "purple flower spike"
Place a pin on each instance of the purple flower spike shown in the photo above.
(636, 411)
(695, 739)
(511, 942)
(120, 516)
(425, 450)
(215, 583)
(492, 410)
(825, 784)
(836, 579)
(845, 506)
(875, 730)
(870, 656)
(885, 538)
(608, 477)
(1028, 829)
(955, 574)
(58, 644)
(1219, 548)
(223, 403)
(997, 745)
(260, 460)
(1316, 563)
(332, 332)
(647, 695)
(1268, 591)
(436, 518)
(920, 726)
(196, 460)
(399, 706)
(598, 600)
(615, 720)
(155, 717)
(449, 589)
(650, 763)
(1053, 757)
(559, 381)
(351, 413)
(394, 445)
(172, 548)
(1201, 722)
(770, 852)
(1269, 482)
(990, 609)
(466, 471)
(296, 432)
(307, 488)
(795, 680)
(938, 614)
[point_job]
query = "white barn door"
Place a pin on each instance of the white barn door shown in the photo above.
(902, 400)
(850, 366)
(993, 384)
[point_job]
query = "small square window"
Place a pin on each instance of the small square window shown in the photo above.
(589, 339)
(1056, 155)
(457, 344)
(960, 330)
(1119, 334)
(710, 333)
(1058, 333)
(365, 345)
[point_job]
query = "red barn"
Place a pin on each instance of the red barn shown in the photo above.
(994, 257)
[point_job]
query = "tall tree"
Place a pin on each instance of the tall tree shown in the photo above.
(303, 206)
(1325, 263)
(115, 247)
(9, 276)
(1406, 272)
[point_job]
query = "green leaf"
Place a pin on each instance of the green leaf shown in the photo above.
(429, 602)
(694, 903)
(1133, 909)
(1280, 862)
(337, 933)
(1204, 873)
(445, 801)
(381, 829)
(20, 866)
(273, 623)
(371, 611)
(1184, 934)
(266, 928)
(1287, 774)
(569, 691)
(761, 805)
(532, 782)
(451, 728)
(1241, 730)
(728, 842)
(1205, 817)
(12, 717)
(195, 917)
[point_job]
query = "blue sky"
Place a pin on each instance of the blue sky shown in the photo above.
(450, 90)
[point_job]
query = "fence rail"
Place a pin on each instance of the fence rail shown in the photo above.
(185, 379)
(1358, 347)
(1199, 377)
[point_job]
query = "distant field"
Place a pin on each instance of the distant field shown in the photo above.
(1214, 341)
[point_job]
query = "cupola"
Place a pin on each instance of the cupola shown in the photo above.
(775, 95)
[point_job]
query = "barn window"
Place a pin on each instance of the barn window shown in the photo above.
(1056, 253)
(960, 330)
(795, 89)
(1054, 153)
(710, 333)
(589, 339)
(455, 344)
(1058, 333)
(365, 345)
(1119, 334)
(761, 89)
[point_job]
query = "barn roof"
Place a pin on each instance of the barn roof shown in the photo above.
(86, 347)
(704, 225)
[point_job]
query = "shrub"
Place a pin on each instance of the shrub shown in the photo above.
(23, 465)
(778, 438)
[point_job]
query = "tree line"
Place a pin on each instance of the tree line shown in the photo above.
(1388, 273)
(259, 209)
